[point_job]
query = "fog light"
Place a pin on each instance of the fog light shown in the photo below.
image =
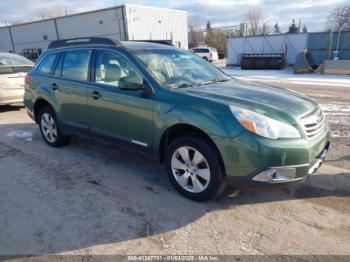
(276, 174)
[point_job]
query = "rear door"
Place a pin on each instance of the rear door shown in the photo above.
(116, 113)
(70, 86)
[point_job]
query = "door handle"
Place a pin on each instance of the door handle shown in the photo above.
(95, 95)
(54, 86)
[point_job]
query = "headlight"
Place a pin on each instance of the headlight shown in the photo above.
(263, 125)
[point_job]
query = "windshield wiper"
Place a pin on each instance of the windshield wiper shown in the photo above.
(208, 82)
(213, 81)
(181, 86)
(223, 80)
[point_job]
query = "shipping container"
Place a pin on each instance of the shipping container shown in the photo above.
(321, 45)
(288, 44)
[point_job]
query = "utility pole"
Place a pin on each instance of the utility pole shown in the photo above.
(11, 38)
(330, 44)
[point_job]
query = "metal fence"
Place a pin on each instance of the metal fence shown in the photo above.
(321, 45)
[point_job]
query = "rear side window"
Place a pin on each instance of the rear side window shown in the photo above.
(76, 64)
(47, 63)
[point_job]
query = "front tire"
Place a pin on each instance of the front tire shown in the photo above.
(194, 168)
(50, 130)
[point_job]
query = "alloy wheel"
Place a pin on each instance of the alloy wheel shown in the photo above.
(190, 169)
(49, 127)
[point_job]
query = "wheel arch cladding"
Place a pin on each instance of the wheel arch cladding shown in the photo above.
(183, 129)
(38, 105)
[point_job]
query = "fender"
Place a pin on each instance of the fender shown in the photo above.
(212, 123)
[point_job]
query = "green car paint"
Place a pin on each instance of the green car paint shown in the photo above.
(145, 118)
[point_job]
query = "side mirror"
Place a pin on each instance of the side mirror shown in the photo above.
(130, 82)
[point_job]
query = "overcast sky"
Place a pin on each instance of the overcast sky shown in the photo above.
(312, 13)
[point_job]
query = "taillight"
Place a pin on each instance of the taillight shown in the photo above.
(26, 80)
(211, 54)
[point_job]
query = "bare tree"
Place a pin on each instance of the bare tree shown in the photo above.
(339, 18)
(254, 19)
(195, 35)
(266, 29)
(218, 39)
(52, 11)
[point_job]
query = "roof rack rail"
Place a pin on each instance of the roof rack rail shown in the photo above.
(161, 42)
(83, 41)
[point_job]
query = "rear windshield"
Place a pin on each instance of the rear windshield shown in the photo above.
(12, 59)
(201, 50)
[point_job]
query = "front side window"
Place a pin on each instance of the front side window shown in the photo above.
(76, 65)
(46, 65)
(111, 67)
(173, 68)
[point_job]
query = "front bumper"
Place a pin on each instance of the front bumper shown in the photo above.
(255, 161)
(282, 175)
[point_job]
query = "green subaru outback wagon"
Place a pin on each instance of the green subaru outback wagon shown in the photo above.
(208, 128)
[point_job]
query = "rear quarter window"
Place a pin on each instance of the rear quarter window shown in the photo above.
(46, 65)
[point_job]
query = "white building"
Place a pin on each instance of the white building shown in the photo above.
(125, 22)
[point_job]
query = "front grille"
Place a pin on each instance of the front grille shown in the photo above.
(314, 124)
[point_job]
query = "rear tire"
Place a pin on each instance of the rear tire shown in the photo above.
(50, 129)
(194, 168)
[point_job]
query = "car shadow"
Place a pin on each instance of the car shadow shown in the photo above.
(89, 194)
(7, 108)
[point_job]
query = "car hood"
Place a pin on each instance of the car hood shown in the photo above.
(271, 101)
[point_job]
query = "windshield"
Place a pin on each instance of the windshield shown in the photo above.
(174, 68)
(12, 59)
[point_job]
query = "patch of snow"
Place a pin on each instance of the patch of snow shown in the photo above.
(336, 108)
(340, 121)
(287, 75)
(337, 114)
(21, 134)
(339, 133)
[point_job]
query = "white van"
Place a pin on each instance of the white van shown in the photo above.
(207, 53)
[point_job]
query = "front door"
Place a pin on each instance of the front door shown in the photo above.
(117, 113)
